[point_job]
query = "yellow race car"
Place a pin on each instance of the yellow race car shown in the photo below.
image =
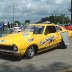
(35, 38)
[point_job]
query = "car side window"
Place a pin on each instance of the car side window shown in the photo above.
(50, 29)
(38, 29)
(58, 29)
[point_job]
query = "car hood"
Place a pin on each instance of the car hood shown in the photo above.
(15, 38)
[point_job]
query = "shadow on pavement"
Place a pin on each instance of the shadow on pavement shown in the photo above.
(9, 58)
(55, 67)
(59, 67)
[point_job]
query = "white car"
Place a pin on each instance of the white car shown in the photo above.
(17, 29)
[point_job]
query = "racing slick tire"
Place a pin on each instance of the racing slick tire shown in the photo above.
(62, 45)
(30, 52)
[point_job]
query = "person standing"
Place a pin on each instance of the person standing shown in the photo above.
(1, 28)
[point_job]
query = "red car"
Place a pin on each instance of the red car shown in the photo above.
(67, 26)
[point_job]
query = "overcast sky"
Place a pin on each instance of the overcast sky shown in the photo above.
(33, 10)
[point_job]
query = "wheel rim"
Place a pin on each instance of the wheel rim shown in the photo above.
(31, 51)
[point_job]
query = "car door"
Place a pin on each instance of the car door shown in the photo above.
(52, 37)
(39, 37)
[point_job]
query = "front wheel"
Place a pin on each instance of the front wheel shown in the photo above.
(30, 52)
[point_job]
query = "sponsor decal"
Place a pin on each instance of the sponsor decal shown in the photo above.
(30, 40)
(47, 40)
(50, 39)
(42, 42)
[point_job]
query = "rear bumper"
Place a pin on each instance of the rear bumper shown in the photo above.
(12, 53)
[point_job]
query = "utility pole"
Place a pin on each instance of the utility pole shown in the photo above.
(13, 13)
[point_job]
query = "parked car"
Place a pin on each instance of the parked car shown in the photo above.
(17, 29)
(67, 26)
(34, 39)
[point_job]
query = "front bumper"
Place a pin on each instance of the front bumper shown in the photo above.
(12, 53)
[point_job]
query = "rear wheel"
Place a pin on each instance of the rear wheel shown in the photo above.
(62, 45)
(30, 52)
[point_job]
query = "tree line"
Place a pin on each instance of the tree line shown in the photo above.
(62, 19)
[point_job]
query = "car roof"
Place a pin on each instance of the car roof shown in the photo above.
(43, 24)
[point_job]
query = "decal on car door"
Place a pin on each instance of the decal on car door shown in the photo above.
(47, 40)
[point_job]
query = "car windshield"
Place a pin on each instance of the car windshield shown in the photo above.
(34, 29)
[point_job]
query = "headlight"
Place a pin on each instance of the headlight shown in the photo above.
(15, 47)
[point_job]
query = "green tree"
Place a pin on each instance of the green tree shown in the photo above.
(17, 22)
(51, 19)
(56, 19)
(44, 19)
(67, 20)
(27, 21)
(63, 19)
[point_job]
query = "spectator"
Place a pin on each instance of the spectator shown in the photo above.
(8, 24)
(1, 28)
